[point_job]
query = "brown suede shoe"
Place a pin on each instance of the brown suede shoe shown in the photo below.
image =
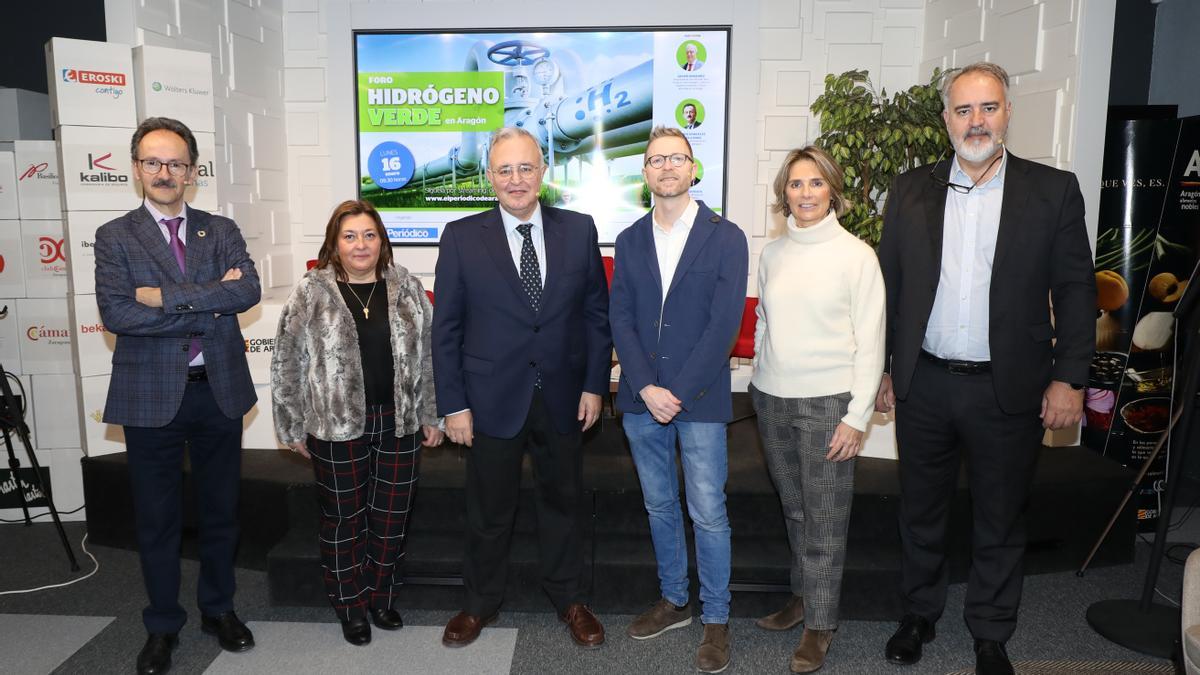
(660, 618)
(785, 619)
(713, 655)
(585, 628)
(810, 653)
(464, 628)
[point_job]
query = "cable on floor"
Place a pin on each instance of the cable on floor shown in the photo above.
(82, 545)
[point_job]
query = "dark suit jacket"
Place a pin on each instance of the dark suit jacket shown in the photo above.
(149, 366)
(689, 352)
(489, 345)
(1042, 256)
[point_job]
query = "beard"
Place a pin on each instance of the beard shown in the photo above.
(977, 153)
(672, 190)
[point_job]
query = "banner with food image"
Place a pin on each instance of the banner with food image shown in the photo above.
(1146, 243)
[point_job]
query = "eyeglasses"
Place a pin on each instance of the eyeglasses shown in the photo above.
(657, 161)
(960, 189)
(151, 166)
(508, 171)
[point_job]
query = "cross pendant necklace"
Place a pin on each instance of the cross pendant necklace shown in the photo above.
(365, 309)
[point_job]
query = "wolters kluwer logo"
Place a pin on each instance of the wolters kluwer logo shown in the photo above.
(157, 86)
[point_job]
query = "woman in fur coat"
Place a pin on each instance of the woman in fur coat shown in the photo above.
(352, 388)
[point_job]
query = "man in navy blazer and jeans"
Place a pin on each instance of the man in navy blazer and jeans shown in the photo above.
(170, 281)
(678, 291)
(521, 355)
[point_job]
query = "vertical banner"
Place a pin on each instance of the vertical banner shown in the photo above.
(1146, 244)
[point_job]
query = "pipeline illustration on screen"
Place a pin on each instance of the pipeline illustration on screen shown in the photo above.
(427, 104)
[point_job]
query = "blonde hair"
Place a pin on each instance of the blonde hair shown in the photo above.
(665, 132)
(829, 170)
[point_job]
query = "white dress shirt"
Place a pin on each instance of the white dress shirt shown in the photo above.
(515, 240)
(668, 245)
(958, 322)
(159, 217)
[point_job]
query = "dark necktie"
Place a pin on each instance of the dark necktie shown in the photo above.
(531, 273)
(177, 248)
(531, 278)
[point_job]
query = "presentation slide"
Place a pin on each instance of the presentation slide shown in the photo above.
(428, 102)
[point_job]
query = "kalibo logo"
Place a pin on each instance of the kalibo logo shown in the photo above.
(100, 172)
(51, 250)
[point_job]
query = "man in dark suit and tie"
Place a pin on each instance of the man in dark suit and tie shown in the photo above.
(678, 292)
(991, 329)
(521, 354)
(170, 281)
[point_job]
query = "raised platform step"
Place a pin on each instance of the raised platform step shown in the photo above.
(1074, 493)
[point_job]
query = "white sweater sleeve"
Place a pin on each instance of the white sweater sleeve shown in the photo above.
(867, 304)
(760, 313)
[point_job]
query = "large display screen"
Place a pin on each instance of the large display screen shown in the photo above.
(427, 102)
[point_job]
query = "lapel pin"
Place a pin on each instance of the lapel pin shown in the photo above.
(201, 233)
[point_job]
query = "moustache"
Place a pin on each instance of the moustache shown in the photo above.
(977, 131)
(165, 183)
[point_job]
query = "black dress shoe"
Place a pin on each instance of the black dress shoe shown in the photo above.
(991, 658)
(232, 634)
(357, 631)
(905, 645)
(387, 619)
(155, 657)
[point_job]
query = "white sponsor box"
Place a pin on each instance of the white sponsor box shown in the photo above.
(45, 258)
(91, 83)
(38, 194)
(259, 324)
(10, 333)
(97, 172)
(56, 401)
(12, 260)
(45, 336)
(174, 83)
(98, 438)
(202, 193)
(258, 426)
(24, 114)
(92, 346)
(80, 230)
(9, 208)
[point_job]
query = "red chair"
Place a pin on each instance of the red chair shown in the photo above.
(310, 264)
(743, 347)
(430, 294)
(609, 264)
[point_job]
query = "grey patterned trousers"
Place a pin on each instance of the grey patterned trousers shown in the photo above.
(815, 493)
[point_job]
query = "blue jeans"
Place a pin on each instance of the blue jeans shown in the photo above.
(705, 467)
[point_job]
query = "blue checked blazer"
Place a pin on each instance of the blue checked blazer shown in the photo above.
(149, 366)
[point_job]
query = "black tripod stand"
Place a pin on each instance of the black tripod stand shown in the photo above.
(12, 419)
(1144, 626)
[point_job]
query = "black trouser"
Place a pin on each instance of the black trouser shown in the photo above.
(214, 444)
(493, 484)
(943, 414)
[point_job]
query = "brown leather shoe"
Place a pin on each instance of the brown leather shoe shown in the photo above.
(785, 619)
(713, 655)
(464, 628)
(810, 653)
(585, 628)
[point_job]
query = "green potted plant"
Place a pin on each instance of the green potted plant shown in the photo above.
(875, 138)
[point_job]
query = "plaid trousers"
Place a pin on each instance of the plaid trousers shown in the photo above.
(365, 490)
(815, 492)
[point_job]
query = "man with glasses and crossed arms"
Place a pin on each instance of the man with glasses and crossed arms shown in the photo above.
(521, 355)
(977, 253)
(170, 282)
(678, 291)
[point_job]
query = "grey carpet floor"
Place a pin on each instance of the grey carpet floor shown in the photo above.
(25, 649)
(1052, 626)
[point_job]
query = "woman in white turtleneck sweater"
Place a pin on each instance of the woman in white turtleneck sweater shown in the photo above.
(818, 351)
